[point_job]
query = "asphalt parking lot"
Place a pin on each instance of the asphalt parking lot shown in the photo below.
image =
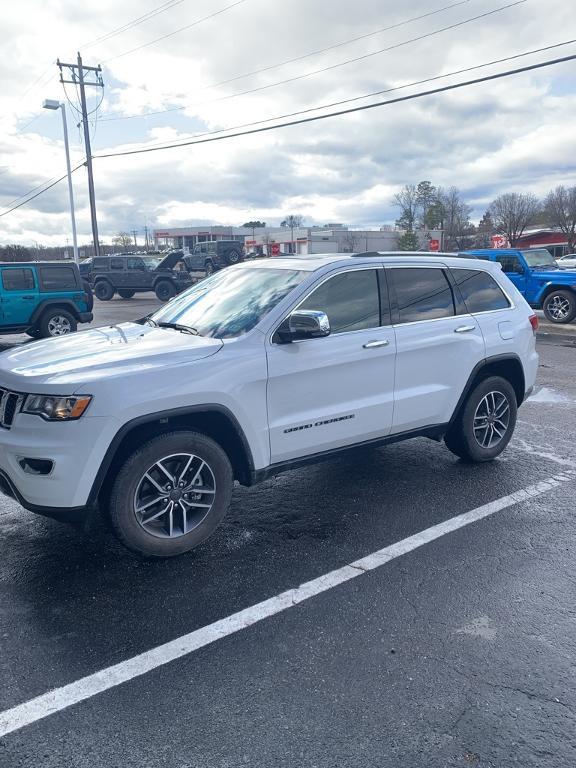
(453, 646)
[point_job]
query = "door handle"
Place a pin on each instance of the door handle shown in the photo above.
(376, 344)
(465, 329)
(31, 298)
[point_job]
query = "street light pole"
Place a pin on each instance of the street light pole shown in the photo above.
(51, 104)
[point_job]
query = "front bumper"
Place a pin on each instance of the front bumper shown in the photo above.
(77, 515)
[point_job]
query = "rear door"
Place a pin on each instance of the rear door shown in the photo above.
(337, 390)
(118, 272)
(438, 343)
(61, 282)
(20, 295)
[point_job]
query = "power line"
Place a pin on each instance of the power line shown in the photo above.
(363, 57)
(302, 121)
(53, 184)
(176, 31)
(300, 58)
(371, 94)
(134, 23)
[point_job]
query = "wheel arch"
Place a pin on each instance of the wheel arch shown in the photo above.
(52, 304)
(551, 287)
(215, 421)
(508, 367)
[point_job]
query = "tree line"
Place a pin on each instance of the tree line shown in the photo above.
(424, 206)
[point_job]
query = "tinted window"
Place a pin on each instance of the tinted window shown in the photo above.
(116, 263)
(17, 279)
(100, 264)
(510, 263)
(479, 290)
(350, 300)
(421, 294)
(57, 279)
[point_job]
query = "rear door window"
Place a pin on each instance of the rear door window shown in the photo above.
(117, 264)
(18, 279)
(57, 279)
(481, 293)
(422, 293)
(510, 264)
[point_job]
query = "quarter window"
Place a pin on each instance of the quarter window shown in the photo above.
(480, 291)
(17, 279)
(421, 294)
(57, 279)
(350, 299)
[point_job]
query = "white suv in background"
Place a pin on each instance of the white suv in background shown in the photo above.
(262, 367)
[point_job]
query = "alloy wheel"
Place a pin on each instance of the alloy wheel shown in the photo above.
(59, 325)
(174, 495)
(491, 419)
(558, 307)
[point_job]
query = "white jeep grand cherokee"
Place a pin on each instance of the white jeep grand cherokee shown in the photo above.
(262, 367)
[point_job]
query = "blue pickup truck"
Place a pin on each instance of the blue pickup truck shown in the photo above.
(539, 279)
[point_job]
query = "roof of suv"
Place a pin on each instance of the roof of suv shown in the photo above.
(314, 261)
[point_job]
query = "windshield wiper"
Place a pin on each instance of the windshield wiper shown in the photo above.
(179, 327)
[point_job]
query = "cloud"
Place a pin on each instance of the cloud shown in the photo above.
(511, 135)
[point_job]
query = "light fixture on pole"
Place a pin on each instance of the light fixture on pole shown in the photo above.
(53, 104)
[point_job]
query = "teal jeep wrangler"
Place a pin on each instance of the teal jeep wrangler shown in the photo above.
(43, 299)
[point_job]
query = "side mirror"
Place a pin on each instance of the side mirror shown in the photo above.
(303, 324)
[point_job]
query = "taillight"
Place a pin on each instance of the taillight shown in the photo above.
(534, 322)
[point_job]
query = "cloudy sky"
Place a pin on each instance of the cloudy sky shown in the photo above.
(514, 134)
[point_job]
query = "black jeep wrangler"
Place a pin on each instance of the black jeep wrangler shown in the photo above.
(214, 255)
(127, 274)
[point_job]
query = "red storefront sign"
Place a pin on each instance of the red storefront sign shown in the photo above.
(499, 241)
(275, 249)
(434, 245)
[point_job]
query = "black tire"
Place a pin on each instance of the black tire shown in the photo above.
(103, 290)
(560, 306)
(461, 438)
(34, 333)
(233, 256)
(89, 295)
(153, 540)
(164, 290)
(56, 322)
(126, 294)
(209, 268)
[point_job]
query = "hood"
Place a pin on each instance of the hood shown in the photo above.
(565, 276)
(61, 365)
(171, 259)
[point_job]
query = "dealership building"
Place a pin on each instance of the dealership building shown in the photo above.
(271, 241)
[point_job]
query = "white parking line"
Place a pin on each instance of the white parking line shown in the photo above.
(86, 687)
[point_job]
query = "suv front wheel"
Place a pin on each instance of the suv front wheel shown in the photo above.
(486, 422)
(171, 494)
(164, 290)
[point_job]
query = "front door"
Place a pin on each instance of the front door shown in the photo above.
(337, 390)
(19, 295)
(137, 276)
(513, 269)
(437, 349)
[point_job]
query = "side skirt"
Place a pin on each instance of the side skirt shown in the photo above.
(435, 432)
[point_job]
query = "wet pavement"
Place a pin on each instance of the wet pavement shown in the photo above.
(460, 653)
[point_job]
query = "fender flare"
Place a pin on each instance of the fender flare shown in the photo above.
(67, 304)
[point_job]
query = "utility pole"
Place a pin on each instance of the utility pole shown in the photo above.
(147, 241)
(79, 73)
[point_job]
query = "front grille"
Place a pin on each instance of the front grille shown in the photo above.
(10, 405)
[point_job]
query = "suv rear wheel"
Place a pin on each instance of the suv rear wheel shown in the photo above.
(103, 290)
(209, 268)
(171, 494)
(560, 306)
(56, 322)
(233, 256)
(126, 294)
(486, 422)
(164, 290)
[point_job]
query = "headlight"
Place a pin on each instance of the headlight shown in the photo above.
(55, 408)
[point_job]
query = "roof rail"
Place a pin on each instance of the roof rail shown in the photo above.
(366, 253)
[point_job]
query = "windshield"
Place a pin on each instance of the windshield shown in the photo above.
(151, 262)
(231, 302)
(539, 257)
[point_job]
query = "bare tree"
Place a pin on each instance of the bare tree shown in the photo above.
(455, 216)
(293, 221)
(560, 207)
(408, 200)
(512, 213)
(350, 242)
(123, 239)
